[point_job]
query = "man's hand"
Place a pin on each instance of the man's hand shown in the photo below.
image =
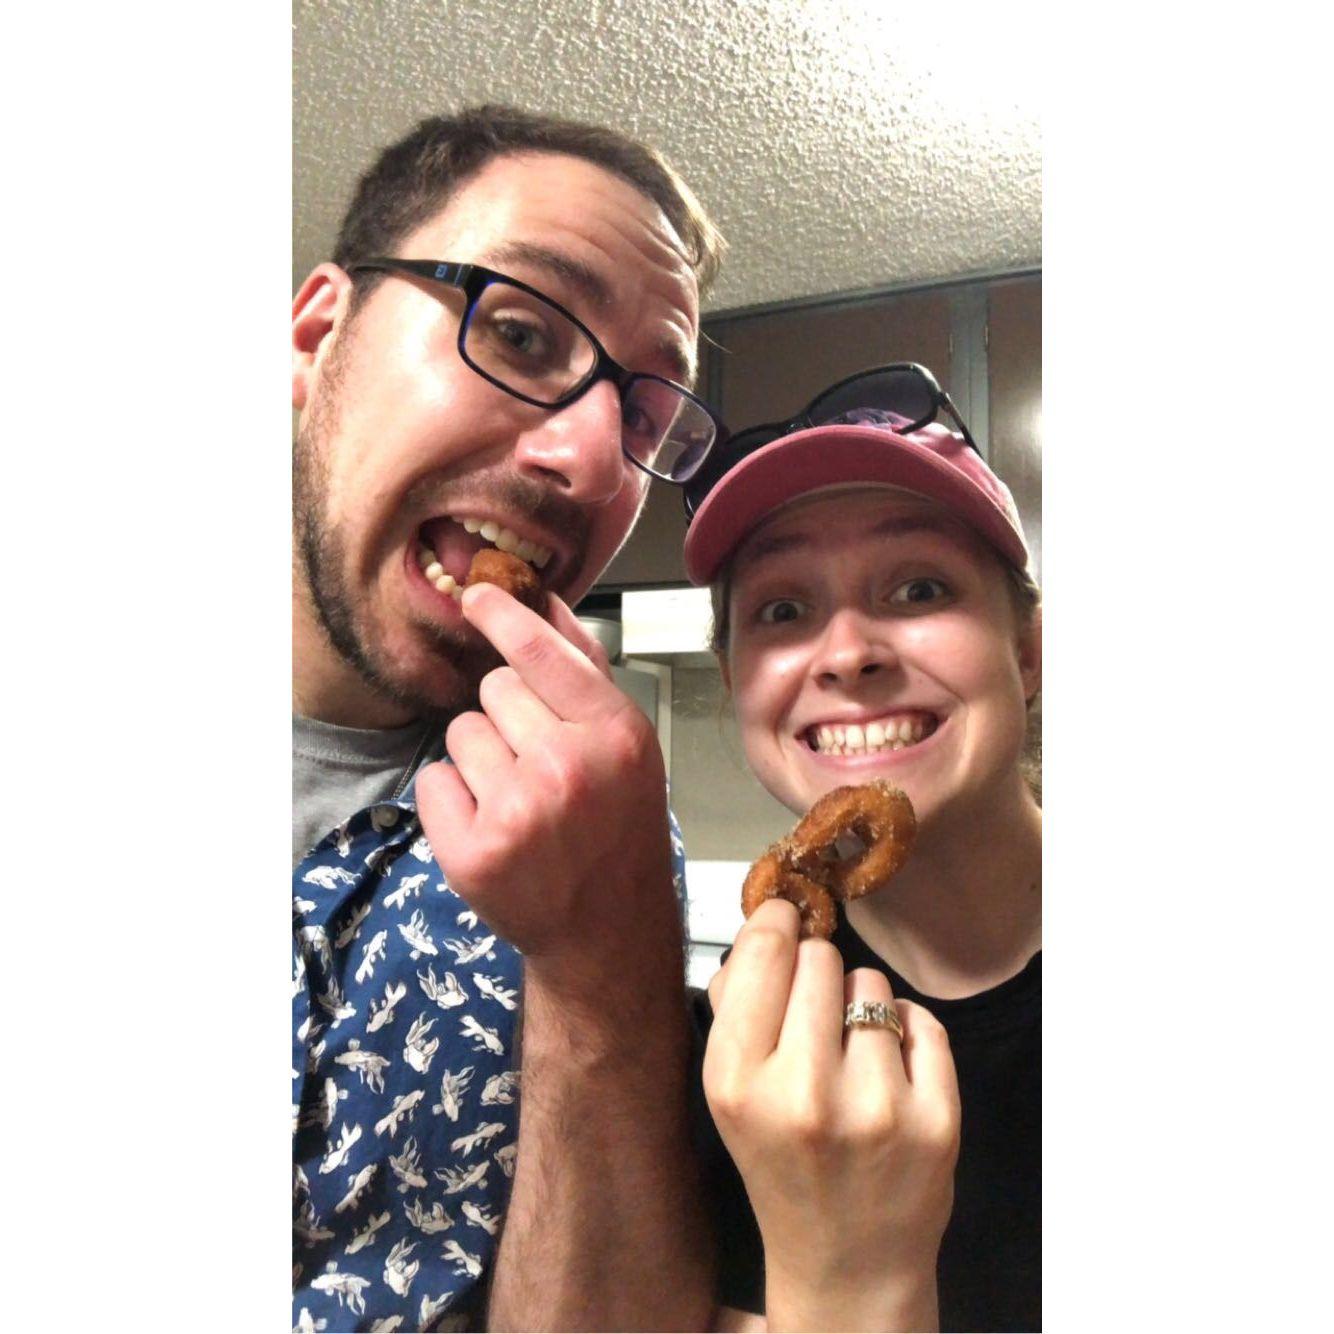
(551, 822)
(846, 1142)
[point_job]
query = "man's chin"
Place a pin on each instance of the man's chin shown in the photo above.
(418, 666)
(439, 675)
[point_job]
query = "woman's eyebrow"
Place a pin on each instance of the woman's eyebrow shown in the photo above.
(766, 548)
(894, 525)
(900, 525)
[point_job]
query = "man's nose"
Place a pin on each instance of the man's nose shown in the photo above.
(577, 448)
(853, 646)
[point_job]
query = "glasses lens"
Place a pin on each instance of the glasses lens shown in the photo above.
(665, 429)
(526, 343)
(905, 393)
(723, 458)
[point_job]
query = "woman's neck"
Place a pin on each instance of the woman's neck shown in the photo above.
(965, 912)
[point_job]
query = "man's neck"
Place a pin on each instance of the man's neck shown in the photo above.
(965, 912)
(327, 688)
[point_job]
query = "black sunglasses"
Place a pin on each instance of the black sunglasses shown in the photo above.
(902, 395)
(523, 342)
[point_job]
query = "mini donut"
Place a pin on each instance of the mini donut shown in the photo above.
(515, 576)
(878, 814)
(770, 879)
(807, 868)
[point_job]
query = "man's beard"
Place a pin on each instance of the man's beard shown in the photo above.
(323, 560)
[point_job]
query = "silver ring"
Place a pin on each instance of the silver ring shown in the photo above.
(873, 1014)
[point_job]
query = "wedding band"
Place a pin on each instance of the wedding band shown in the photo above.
(873, 1014)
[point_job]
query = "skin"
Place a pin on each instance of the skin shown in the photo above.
(395, 430)
(834, 622)
(847, 1145)
(849, 607)
(603, 1230)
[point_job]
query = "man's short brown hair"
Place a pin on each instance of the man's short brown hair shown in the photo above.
(412, 180)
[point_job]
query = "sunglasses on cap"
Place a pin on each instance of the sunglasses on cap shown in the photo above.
(902, 395)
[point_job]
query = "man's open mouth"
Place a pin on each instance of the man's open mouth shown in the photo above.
(446, 546)
(895, 731)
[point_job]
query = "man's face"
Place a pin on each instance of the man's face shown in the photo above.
(402, 448)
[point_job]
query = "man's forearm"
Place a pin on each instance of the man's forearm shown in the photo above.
(604, 1228)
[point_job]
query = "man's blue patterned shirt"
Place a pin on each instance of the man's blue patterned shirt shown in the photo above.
(405, 1082)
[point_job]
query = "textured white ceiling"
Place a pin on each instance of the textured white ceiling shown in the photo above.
(840, 146)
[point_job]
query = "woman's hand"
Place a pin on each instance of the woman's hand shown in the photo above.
(845, 1141)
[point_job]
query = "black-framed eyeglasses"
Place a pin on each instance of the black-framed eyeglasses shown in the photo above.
(902, 395)
(524, 343)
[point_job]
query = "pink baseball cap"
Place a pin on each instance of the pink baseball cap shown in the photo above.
(931, 462)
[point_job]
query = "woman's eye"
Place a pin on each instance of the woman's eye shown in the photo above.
(919, 591)
(780, 611)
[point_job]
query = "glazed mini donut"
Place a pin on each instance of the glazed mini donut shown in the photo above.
(878, 814)
(770, 879)
(807, 867)
(515, 576)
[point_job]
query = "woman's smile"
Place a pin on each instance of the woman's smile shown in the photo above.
(895, 731)
(872, 635)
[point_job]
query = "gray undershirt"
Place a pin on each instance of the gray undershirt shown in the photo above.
(337, 771)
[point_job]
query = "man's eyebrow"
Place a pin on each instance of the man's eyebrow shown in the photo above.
(578, 274)
(680, 362)
(589, 283)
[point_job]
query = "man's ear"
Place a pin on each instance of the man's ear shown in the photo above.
(1030, 656)
(317, 312)
(724, 671)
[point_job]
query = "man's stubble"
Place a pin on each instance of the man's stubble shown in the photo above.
(321, 551)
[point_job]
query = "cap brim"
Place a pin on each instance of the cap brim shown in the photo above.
(826, 456)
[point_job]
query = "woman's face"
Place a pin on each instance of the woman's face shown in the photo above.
(873, 636)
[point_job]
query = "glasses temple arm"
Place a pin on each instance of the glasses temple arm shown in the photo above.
(948, 405)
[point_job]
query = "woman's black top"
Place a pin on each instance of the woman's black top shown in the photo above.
(989, 1269)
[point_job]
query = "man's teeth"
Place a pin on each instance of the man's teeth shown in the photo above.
(435, 574)
(854, 739)
(506, 539)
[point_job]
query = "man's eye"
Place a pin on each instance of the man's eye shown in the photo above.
(919, 591)
(639, 422)
(521, 337)
(780, 611)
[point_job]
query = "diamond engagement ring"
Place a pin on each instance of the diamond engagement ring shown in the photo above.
(873, 1014)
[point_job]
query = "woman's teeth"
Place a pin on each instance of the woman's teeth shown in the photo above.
(505, 539)
(856, 739)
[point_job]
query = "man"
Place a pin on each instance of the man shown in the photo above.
(493, 357)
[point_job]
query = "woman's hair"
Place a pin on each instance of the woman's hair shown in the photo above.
(1025, 598)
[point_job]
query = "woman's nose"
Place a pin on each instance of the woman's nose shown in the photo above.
(577, 448)
(852, 647)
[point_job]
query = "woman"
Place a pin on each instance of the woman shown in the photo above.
(874, 619)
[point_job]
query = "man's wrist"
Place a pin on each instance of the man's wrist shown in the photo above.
(634, 955)
(590, 1015)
